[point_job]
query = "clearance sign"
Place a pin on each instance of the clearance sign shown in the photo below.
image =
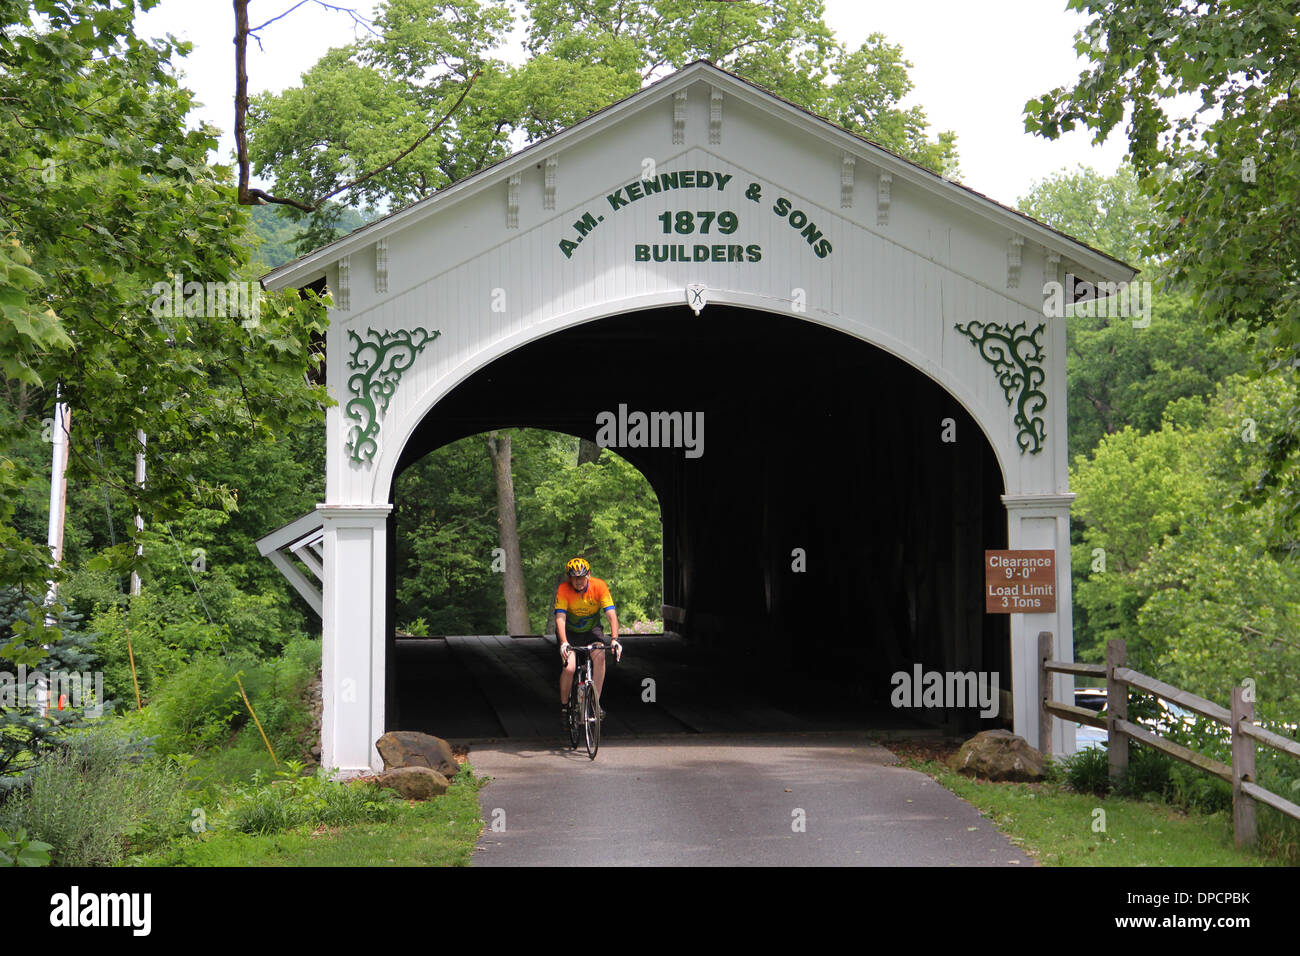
(1019, 582)
(691, 234)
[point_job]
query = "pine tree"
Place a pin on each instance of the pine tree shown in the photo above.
(24, 732)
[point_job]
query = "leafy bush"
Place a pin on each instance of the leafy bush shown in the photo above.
(196, 708)
(292, 800)
(93, 795)
(1149, 774)
(277, 688)
(1087, 771)
(17, 850)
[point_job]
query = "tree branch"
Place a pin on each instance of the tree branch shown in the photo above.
(251, 196)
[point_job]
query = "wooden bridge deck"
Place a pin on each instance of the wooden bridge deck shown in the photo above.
(494, 686)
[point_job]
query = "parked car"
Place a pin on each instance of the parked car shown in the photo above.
(1093, 698)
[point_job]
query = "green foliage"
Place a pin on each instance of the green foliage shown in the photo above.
(199, 706)
(277, 237)
(1086, 771)
(605, 511)
(438, 832)
(277, 688)
(1118, 375)
(1192, 580)
(784, 46)
(1218, 171)
(17, 850)
(24, 731)
(196, 707)
(1109, 213)
(94, 796)
(446, 530)
(163, 634)
(108, 197)
(292, 800)
(426, 104)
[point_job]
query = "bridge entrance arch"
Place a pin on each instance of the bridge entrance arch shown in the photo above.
(714, 238)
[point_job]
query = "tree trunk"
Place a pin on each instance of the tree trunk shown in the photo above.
(516, 599)
(588, 450)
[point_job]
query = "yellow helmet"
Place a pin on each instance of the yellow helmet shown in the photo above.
(578, 567)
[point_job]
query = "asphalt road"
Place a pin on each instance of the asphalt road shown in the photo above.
(713, 800)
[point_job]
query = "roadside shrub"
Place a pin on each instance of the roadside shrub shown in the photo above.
(1087, 771)
(196, 707)
(90, 797)
(18, 850)
(292, 800)
(165, 633)
(277, 689)
(1148, 775)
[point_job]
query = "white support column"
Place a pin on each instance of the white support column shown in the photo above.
(353, 631)
(1042, 522)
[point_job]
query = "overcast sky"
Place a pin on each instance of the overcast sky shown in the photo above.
(974, 65)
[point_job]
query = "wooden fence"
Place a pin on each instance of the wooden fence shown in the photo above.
(1240, 721)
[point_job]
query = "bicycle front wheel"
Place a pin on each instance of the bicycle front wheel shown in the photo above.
(591, 720)
(575, 715)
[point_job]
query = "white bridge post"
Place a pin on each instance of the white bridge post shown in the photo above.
(354, 597)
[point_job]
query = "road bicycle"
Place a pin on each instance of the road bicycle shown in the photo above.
(584, 702)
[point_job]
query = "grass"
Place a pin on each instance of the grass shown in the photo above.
(1056, 825)
(439, 832)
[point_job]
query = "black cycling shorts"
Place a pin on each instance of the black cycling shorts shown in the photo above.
(595, 635)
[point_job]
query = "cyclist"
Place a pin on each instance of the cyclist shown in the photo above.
(578, 602)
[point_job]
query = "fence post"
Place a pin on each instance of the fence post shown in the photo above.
(1116, 709)
(1244, 830)
(1044, 691)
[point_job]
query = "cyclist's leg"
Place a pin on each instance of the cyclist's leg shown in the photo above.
(566, 678)
(597, 659)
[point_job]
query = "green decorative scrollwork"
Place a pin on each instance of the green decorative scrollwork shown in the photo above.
(1017, 357)
(378, 362)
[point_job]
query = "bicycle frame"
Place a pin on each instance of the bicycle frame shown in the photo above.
(584, 701)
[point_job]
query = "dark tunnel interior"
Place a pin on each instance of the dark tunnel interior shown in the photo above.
(828, 535)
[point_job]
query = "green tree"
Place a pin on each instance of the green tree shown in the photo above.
(1222, 173)
(1109, 213)
(24, 730)
(1171, 560)
(1118, 374)
(445, 507)
(784, 46)
(106, 202)
(422, 104)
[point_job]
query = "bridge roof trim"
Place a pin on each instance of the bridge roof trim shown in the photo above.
(314, 265)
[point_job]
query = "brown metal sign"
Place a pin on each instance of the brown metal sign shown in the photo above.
(1019, 582)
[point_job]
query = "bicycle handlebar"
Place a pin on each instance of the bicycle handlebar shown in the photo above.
(590, 647)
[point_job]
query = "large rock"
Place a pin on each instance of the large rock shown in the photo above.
(409, 748)
(1000, 755)
(414, 783)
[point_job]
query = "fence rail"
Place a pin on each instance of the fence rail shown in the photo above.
(1240, 720)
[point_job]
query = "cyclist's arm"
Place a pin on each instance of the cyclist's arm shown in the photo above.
(608, 606)
(560, 630)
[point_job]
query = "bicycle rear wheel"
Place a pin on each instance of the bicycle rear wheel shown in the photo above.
(591, 720)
